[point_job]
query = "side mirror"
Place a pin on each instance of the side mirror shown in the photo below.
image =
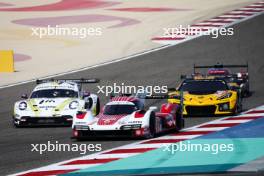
(24, 96)
(153, 108)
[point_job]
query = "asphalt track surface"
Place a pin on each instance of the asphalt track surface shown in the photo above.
(158, 68)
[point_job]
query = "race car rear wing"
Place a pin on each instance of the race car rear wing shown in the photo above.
(219, 66)
(78, 81)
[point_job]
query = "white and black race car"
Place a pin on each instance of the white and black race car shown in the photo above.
(126, 116)
(55, 102)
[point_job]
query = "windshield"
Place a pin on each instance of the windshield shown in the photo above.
(203, 86)
(54, 93)
(119, 109)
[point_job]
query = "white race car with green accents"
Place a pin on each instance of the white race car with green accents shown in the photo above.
(55, 102)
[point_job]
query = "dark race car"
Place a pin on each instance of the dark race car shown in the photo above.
(236, 80)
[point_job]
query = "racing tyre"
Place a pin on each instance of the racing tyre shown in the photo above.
(98, 106)
(238, 108)
(179, 121)
(152, 125)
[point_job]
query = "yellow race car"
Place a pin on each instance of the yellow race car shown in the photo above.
(205, 97)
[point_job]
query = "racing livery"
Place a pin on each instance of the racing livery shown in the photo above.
(237, 81)
(206, 96)
(126, 116)
(55, 102)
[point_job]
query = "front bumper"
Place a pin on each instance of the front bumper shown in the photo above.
(85, 132)
(207, 110)
(220, 107)
(108, 133)
(65, 120)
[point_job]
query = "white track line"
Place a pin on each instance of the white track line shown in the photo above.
(179, 137)
(230, 121)
(252, 115)
(142, 146)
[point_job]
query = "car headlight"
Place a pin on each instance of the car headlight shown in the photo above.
(22, 106)
(130, 127)
(74, 105)
(228, 95)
